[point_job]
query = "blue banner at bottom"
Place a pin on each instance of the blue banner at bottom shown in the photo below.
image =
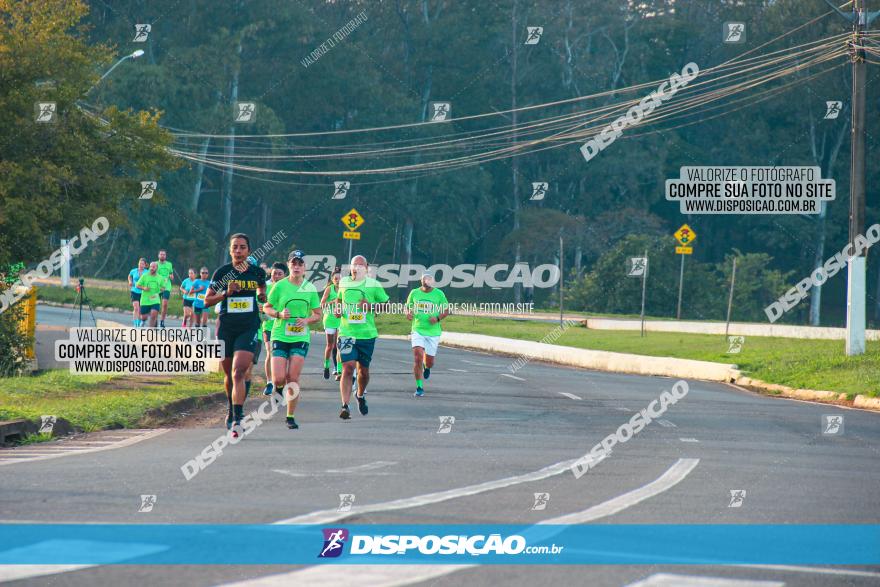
(204, 544)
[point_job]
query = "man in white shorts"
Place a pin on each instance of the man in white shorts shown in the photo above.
(426, 306)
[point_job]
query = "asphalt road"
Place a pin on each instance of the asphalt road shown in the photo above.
(715, 440)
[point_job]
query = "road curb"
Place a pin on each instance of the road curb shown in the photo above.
(180, 405)
(641, 365)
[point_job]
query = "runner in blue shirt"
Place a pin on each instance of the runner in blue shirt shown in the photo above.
(189, 297)
(200, 288)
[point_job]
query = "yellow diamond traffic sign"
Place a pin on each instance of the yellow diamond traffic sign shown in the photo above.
(685, 235)
(353, 219)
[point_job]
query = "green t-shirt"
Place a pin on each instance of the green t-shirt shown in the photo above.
(155, 283)
(423, 305)
(164, 268)
(330, 319)
(300, 300)
(355, 323)
(267, 324)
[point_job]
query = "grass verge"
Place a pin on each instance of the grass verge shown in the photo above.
(96, 402)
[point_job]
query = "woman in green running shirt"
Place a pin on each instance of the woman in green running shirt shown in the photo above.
(331, 325)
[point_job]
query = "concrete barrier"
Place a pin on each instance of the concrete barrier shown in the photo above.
(598, 360)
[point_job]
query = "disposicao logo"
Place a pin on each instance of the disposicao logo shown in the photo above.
(334, 542)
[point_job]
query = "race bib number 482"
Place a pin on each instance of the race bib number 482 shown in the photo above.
(291, 329)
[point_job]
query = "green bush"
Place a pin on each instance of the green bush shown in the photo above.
(13, 342)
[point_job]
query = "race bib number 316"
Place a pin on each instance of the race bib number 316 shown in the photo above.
(240, 305)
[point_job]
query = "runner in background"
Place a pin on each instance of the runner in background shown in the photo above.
(331, 326)
(133, 277)
(200, 316)
(361, 297)
(166, 270)
(426, 306)
(294, 304)
(189, 297)
(151, 285)
(237, 287)
(277, 273)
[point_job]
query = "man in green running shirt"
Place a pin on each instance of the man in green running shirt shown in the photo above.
(426, 306)
(151, 285)
(359, 296)
(166, 270)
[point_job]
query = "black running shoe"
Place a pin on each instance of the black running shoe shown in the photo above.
(291, 423)
(326, 372)
(427, 371)
(345, 413)
(362, 404)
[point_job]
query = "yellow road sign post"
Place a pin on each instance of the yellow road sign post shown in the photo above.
(352, 221)
(685, 235)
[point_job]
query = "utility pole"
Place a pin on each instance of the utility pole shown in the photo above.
(644, 290)
(680, 287)
(561, 276)
(730, 299)
(855, 295)
(856, 278)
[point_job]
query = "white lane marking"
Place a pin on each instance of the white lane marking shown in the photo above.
(815, 570)
(352, 576)
(672, 477)
(330, 516)
(364, 467)
(569, 395)
(458, 370)
(666, 423)
(689, 440)
(669, 580)
(108, 552)
(80, 451)
(477, 364)
(512, 377)
(393, 575)
(16, 572)
(344, 471)
(623, 409)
